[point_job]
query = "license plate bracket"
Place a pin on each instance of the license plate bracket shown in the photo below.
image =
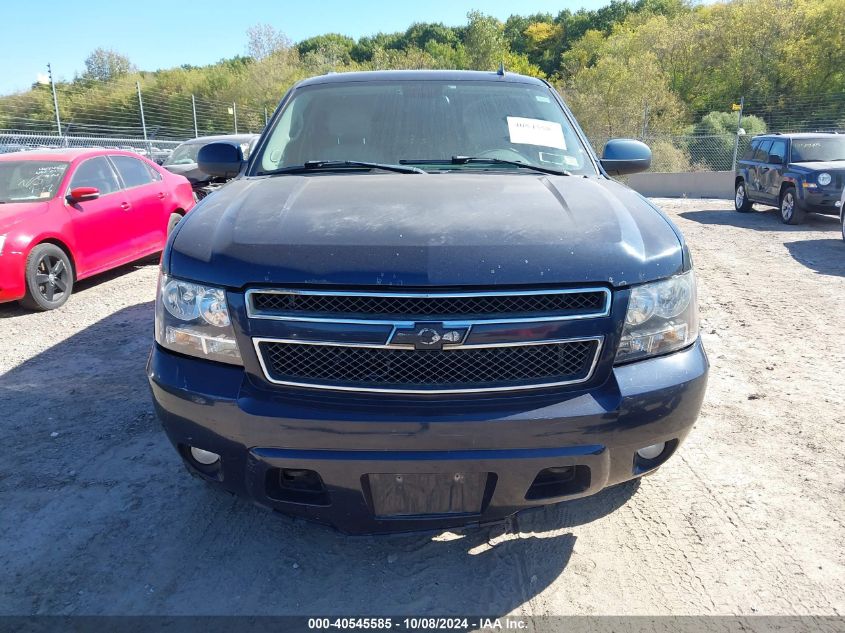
(400, 495)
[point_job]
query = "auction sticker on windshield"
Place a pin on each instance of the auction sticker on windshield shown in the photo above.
(536, 132)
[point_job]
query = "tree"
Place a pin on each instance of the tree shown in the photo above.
(447, 56)
(544, 42)
(484, 41)
(714, 136)
(333, 47)
(610, 98)
(420, 34)
(105, 64)
(410, 59)
(367, 45)
(515, 27)
(264, 40)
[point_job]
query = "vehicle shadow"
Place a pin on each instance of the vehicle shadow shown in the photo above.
(13, 308)
(825, 256)
(105, 520)
(760, 219)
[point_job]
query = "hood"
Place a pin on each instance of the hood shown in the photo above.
(821, 165)
(13, 212)
(191, 171)
(455, 229)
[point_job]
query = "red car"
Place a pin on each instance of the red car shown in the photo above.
(69, 214)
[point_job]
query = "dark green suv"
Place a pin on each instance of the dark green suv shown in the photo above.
(799, 173)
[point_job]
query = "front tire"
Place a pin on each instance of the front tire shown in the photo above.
(49, 278)
(789, 211)
(741, 201)
(842, 220)
(174, 219)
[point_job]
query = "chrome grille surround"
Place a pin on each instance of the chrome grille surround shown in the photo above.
(583, 376)
(581, 298)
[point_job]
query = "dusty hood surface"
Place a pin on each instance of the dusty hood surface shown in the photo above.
(455, 229)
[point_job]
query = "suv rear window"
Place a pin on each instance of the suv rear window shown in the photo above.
(749, 153)
(762, 153)
(777, 153)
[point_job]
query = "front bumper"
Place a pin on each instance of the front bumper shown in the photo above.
(12, 285)
(824, 201)
(345, 438)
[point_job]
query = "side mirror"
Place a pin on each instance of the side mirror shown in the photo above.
(625, 156)
(80, 194)
(223, 160)
(774, 159)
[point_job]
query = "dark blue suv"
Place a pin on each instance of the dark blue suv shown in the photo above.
(423, 303)
(798, 173)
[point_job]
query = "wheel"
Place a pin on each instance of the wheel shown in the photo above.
(741, 201)
(789, 211)
(49, 278)
(172, 222)
(842, 220)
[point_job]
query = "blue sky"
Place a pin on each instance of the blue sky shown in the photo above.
(161, 34)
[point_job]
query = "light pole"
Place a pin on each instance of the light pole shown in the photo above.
(55, 99)
(234, 112)
(194, 109)
(143, 121)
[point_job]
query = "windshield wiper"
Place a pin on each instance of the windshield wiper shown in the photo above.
(465, 160)
(314, 165)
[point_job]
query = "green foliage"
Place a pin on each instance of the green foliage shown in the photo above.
(714, 136)
(624, 97)
(667, 157)
(332, 46)
(484, 41)
(420, 34)
(726, 123)
(631, 67)
(104, 65)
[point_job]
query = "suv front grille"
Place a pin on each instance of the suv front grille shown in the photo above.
(464, 368)
(418, 306)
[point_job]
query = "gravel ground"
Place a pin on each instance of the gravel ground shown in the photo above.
(99, 517)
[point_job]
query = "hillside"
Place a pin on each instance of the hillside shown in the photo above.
(650, 67)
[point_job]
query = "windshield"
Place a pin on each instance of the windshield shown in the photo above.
(185, 154)
(811, 149)
(419, 121)
(30, 180)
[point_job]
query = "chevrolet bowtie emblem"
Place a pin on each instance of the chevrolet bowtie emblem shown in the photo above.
(428, 336)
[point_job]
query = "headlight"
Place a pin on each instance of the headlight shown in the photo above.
(824, 179)
(2, 243)
(662, 317)
(194, 319)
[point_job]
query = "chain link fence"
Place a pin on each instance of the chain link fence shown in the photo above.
(153, 121)
(715, 134)
(150, 122)
(687, 153)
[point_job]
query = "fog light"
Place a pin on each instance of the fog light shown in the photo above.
(206, 458)
(652, 452)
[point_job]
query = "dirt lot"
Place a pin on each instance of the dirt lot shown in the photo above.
(98, 516)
